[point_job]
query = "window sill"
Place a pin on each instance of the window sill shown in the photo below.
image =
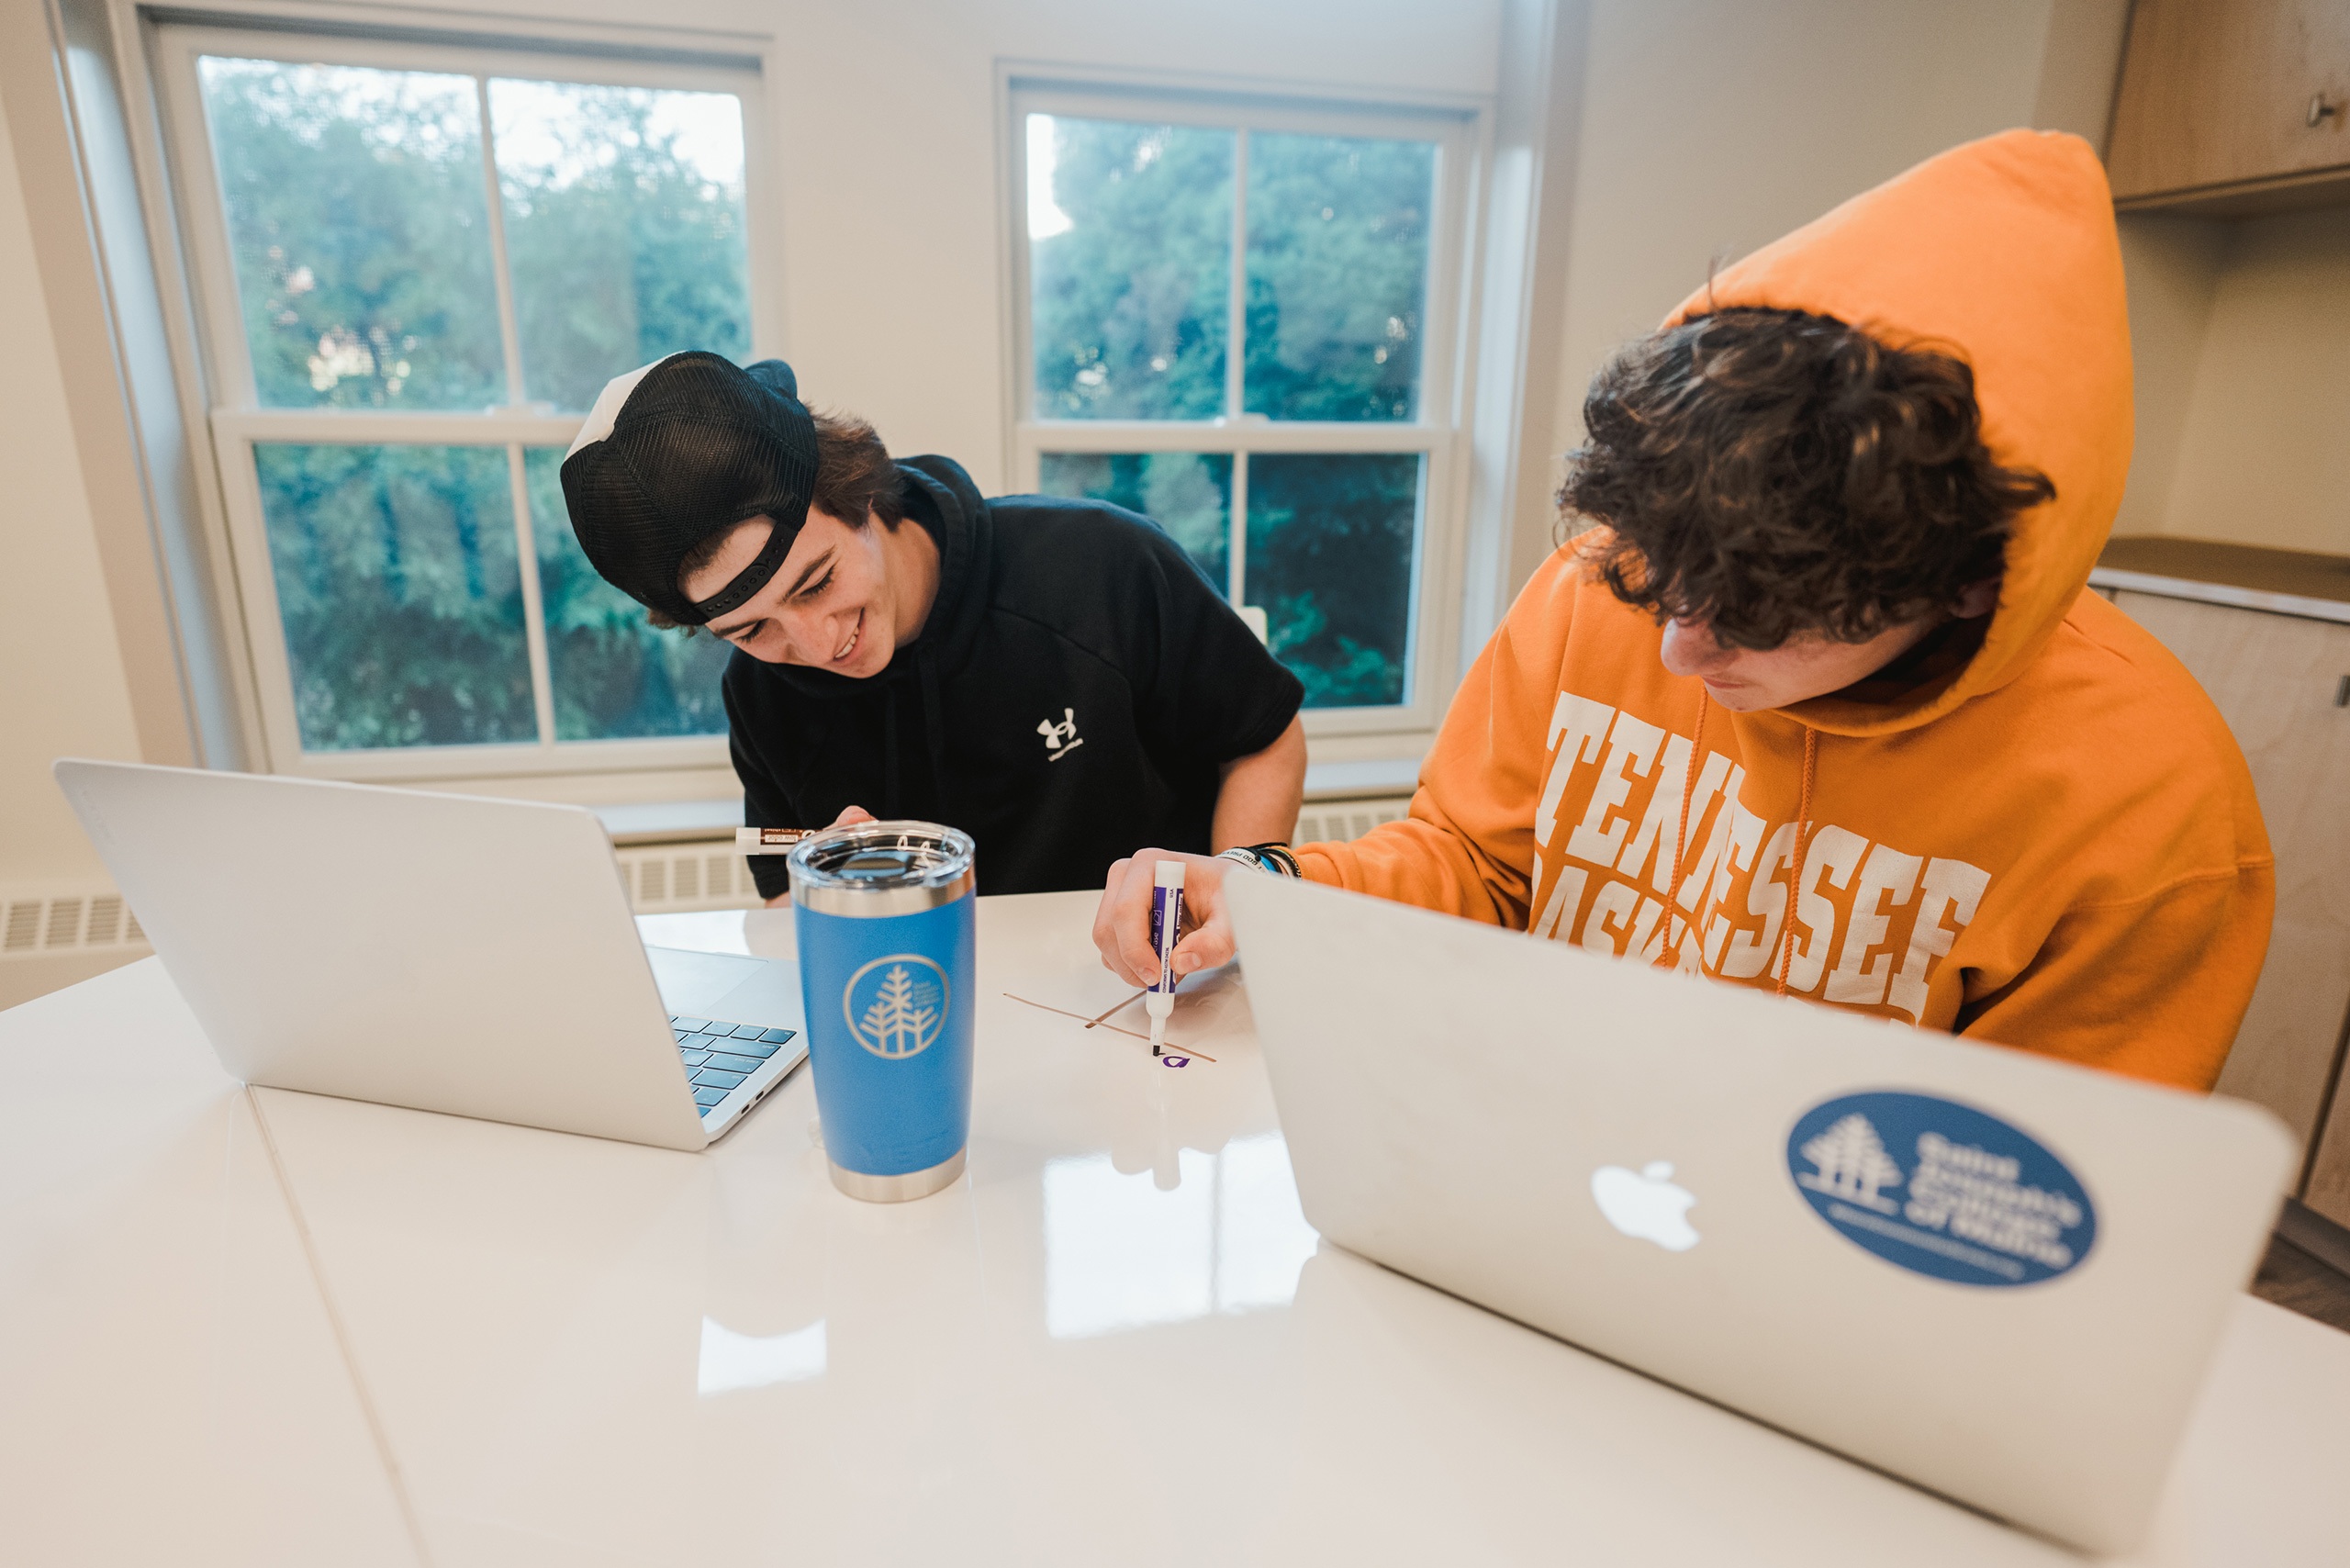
(1352, 781)
(672, 822)
(682, 822)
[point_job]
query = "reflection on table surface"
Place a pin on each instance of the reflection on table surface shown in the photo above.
(1122, 1253)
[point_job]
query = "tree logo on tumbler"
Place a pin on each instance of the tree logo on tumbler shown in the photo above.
(896, 1006)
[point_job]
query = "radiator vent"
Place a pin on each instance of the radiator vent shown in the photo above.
(1330, 822)
(67, 922)
(708, 874)
(704, 874)
(661, 877)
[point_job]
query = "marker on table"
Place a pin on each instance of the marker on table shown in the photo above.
(1166, 930)
(768, 840)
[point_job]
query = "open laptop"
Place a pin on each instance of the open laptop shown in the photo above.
(1998, 1276)
(442, 952)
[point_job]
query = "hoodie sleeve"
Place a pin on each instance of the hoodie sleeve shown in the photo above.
(1468, 847)
(1207, 693)
(2153, 988)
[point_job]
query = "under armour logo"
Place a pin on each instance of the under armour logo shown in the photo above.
(1062, 738)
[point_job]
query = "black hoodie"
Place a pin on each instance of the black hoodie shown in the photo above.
(1073, 694)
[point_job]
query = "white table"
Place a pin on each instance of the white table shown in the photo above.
(170, 1386)
(427, 1339)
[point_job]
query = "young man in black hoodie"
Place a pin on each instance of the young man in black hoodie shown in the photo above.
(1055, 677)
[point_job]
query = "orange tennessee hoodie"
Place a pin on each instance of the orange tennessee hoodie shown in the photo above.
(2052, 845)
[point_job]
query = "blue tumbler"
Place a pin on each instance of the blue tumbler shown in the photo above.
(887, 960)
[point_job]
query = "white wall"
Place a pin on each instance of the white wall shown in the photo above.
(2261, 449)
(1712, 126)
(2173, 267)
(61, 687)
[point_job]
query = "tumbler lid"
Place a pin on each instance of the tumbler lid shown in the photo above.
(881, 867)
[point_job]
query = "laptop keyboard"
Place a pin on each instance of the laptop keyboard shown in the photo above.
(718, 1056)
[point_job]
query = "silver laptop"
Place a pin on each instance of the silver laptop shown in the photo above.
(1996, 1276)
(442, 952)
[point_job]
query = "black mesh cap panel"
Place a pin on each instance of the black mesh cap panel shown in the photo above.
(701, 445)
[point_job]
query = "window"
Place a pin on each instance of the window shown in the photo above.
(1238, 321)
(417, 266)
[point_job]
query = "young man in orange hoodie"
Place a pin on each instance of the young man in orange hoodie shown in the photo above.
(1825, 706)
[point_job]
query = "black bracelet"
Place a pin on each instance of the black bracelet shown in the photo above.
(1278, 857)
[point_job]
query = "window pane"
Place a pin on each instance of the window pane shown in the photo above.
(624, 228)
(400, 595)
(1130, 268)
(1189, 494)
(614, 676)
(1337, 276)
(1330, 560)
(362, 240)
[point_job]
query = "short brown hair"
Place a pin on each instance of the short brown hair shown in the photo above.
(855, 473)
(855, 478)
(1772, 473)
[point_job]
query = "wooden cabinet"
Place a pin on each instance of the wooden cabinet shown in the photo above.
(2232, 106)
(2276, 680)
(2328, 1188)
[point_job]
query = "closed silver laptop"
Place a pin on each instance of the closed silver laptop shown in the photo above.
(442, 952)
(1996, 1276)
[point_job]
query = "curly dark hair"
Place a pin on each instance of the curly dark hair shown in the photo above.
(855, 477)
(1775, 472)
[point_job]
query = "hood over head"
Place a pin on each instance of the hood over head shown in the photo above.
(2004, 253)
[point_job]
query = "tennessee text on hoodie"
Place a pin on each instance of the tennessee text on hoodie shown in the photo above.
(1074, 694)
(2047, 839)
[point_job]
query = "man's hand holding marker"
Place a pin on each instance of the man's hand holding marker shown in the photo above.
(1122, 923)
(783, 840)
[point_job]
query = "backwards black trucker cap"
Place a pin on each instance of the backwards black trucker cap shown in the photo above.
(685, 448)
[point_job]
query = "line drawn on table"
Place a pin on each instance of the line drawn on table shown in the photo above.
(1170, 1051)
(1096, 1022)
(1092, 1023)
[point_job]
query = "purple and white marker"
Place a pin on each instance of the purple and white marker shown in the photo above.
(1166, 930)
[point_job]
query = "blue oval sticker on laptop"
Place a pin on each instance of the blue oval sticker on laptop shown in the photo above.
(1941, 1189)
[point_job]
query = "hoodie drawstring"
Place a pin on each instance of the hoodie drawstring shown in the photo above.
(1803, 847)
(1681, 836)
(933, 727)
(933, 741)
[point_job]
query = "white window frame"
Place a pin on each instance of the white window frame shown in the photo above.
(1440, 432)
(239, 423)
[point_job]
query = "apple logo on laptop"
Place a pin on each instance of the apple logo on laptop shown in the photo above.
(1646, 1203)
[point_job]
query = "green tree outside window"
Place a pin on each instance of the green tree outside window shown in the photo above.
(359, 230)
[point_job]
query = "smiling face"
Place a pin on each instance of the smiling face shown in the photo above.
(842, 600)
